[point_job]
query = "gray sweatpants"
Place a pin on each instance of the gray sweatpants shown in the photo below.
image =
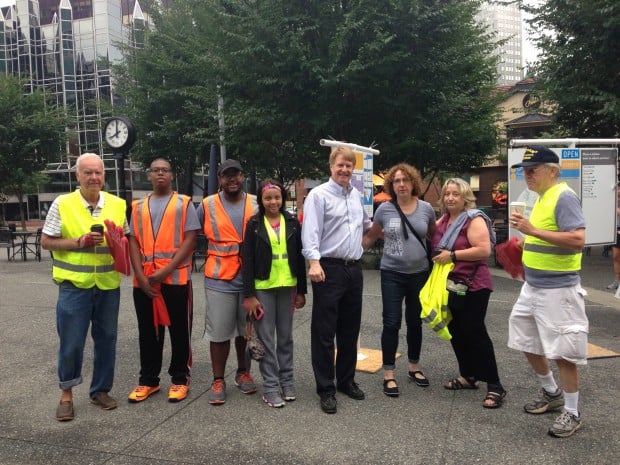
(275, 330)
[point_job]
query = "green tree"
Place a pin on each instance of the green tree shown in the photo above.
(579, 68)
(31, 134)
(414, 77)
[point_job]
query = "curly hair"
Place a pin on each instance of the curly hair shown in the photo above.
(465, 190)
(410, 172)
(270, 184)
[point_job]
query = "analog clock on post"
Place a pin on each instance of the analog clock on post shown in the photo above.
(120, 135)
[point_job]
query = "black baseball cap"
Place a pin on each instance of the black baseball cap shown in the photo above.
(229, 164)
(536, 154)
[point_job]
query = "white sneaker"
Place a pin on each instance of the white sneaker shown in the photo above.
(613, 286)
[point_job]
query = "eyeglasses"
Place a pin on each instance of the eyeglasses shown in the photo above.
(230, 176)
(401, 181)
(160, 170)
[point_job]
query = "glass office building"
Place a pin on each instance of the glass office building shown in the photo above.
(67, 48)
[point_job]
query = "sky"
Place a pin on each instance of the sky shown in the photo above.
(529, 51)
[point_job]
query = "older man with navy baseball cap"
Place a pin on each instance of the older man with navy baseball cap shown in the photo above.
(548, 321)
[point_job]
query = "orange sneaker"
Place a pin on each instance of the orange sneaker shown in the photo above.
(141, 393)
(177, 392)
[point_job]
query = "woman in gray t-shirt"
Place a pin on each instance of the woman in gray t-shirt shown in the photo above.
(404, 268)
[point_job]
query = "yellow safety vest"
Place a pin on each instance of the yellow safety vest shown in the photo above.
(93, 266)
(434, 301)
(539, 254)
(280, 274)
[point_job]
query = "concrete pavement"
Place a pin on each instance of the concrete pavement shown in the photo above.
(422, 426)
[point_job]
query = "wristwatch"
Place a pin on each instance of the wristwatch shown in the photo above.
(453, 256)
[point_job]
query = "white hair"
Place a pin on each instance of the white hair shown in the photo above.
(86, 155)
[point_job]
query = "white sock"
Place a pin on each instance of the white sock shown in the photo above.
(548, 382)
(571, 402)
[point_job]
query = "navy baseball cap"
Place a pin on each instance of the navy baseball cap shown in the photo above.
(536, 154)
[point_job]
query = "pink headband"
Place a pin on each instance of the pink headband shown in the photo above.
(269, 186)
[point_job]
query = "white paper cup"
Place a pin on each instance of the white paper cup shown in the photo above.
(517, 207)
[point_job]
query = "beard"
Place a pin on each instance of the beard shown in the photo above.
(233, 194)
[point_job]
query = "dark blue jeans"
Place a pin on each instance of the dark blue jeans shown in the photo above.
(76, 310)
(396, 287)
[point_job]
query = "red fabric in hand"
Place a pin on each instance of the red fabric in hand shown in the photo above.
(118, 246)
(160, 311)
(509, 255)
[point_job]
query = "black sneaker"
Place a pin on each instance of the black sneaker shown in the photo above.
(353, 391)
(329, 404)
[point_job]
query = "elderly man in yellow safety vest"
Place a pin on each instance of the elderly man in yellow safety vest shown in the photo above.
(549, 321)
(88, 284)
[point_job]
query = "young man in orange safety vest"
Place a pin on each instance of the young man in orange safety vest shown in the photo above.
(163, 235)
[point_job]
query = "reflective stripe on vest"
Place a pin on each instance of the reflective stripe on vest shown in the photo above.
(93, 266)
(539, 254)
(435, 321)
(161, 248)
(223, 259)
(280, 274)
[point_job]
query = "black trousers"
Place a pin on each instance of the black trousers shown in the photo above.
(336, 313)
(470, 340)
(179, 301)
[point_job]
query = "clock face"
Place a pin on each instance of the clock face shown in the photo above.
(117, 133)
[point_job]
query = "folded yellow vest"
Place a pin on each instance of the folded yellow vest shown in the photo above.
(434, 301)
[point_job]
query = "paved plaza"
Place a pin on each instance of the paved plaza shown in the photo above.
(423, 426)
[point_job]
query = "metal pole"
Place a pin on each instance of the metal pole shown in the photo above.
(120, 164)
(220, 114)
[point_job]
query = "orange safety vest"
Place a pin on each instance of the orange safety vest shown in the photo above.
(223, 243)
(161, 248)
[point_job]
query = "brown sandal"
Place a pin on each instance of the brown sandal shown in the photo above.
(456, 384)
(494, 399)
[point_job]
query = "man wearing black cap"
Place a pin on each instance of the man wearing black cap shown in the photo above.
(548, 321)
(224, 216)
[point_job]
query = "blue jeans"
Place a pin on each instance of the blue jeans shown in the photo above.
(394, 288)
(75, 310)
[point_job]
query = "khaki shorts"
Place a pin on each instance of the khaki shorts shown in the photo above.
(225, 317)
(550, 322)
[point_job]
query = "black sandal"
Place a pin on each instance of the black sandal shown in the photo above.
(420, 380)
(456, 384)
(495, 399)
(390, 391)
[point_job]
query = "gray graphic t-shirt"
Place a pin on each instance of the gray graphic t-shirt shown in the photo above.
(400, 254)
